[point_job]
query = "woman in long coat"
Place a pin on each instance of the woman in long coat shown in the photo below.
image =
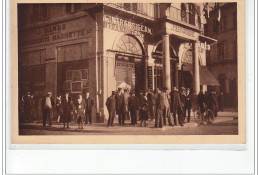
(67, 109)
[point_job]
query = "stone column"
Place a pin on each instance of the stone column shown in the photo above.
(196, 68)
(166, 62)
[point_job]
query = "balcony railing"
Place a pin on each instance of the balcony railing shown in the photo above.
(145, 9)
(183, 16)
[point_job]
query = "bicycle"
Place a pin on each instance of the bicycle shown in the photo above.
(204, 116)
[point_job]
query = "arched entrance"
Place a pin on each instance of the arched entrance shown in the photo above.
(130, 64)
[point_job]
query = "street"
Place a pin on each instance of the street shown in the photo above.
(225, 124)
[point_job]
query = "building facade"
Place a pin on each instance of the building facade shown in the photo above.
(222, 57)
(100, 47)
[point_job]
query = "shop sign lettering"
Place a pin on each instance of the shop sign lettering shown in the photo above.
(182, 30)
(125, 64)
(53, 33)
(117, 24)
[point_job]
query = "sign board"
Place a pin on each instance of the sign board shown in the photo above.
(180, 31)
(63, 31)
(126, 26)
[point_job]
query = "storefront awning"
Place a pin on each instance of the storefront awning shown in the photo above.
(206, 77)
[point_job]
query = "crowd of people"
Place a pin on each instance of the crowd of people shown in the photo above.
(161, 106)
(64, 109)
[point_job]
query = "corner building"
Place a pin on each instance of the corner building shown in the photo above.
(100, 47)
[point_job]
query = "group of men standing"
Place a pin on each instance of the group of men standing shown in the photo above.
(158, 105)
(64, 108)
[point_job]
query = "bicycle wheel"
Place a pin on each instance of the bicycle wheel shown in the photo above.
(197, 116)
(210, 116)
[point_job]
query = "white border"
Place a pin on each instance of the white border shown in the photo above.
(29, 159)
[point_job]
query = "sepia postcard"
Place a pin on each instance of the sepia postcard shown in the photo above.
(169, 72)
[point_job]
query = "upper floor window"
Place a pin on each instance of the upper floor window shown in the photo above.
(73, 7)
(39, 12)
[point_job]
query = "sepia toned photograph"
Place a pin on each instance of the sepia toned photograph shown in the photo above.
(130, 69)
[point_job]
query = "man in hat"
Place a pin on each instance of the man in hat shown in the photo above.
(80, 110)
(188, 104)
(177, 106)
(67, 109)
(28, 107)
(89, 106)
(134, 107)
(184, 101)
(159, 109)
(119, 105)
(111, 107)
(47, 107)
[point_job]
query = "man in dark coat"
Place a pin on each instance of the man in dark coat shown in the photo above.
(159, 109)
(151, 104)
(47, 107)
(89, 105)
(67, 109)
(188, 104)
(214, 103)
(221, 101)
(134, 107)
(28, 107)
(177, 106)
(183, 97)
(119, 105)
(111, 107)
(200, 101)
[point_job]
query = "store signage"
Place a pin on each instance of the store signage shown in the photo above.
(55, 33)
(182, 30)
(123, 64)
(121, 25)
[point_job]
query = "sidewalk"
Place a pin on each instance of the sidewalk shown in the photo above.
(222, 117)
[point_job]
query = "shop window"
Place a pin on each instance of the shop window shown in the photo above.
(127, 6)
(73, 7)
(68, 8)
(73, 52)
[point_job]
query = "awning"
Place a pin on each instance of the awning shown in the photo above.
(206, 77)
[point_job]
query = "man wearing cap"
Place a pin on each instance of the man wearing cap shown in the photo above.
(111, 107)
(48, 104)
